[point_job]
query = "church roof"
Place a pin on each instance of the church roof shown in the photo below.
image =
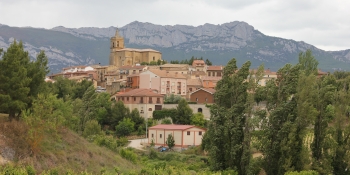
(137, 50)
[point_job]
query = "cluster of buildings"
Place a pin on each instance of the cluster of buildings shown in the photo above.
(144, 87)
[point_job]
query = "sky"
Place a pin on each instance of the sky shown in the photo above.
(322, 23)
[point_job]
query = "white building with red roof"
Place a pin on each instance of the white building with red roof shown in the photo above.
(184, 135)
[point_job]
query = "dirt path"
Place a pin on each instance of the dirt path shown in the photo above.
(138, 144)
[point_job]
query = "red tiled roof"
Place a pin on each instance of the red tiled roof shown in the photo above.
(195, 62)
(209, 90)
(140, 93)
(215, 68)
(194, 82)
(172, 127)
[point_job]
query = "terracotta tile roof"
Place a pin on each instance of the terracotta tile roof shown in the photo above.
(215, 68)
(139, 93)
(194, 82)
(172, 127)
(167, 74)
(206, 78)
(137, 50)
(319, 72)
(174, 65)
(209, 90)
(198, 62)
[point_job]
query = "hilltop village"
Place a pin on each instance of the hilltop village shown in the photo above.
(132, 78)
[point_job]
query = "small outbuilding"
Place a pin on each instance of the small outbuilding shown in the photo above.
(184, 135)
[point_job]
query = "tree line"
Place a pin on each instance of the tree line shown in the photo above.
(303, 126)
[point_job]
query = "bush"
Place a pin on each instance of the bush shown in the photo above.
(92, 128)
(310, 172)
(128, 154)
(124, 128)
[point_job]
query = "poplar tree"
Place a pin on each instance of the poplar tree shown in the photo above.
(226, 128)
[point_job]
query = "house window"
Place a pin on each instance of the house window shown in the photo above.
(200, 133)
(160, 136)
(154, 58)
(152, 135)
(127, 98)
(134, 98)
(206, 99)
(123, 98)
(149, 109)
(196, 99)
(190, 89)
(188, 133)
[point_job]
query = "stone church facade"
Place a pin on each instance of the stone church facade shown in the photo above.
(121, 56)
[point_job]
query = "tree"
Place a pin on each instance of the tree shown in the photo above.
(124, 128)
(197, 119)
(183, 113)
(208, 62)
(225, 131)
(136, 118)
(118, 113)
(170, 141)
(308, 62)
(92, 128)
(15, 82)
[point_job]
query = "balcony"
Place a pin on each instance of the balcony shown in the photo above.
(150, 101)
(158, 101)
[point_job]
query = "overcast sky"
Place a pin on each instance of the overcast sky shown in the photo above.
(323, 23)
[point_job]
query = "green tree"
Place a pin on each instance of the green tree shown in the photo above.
(92, 128)
(208, 62)
(170, 141)
(308, 62)
(225, 131)
(21, 79)
(183, 113)
(124, 128)
(137, 119)
(118, 113)
(197, 119)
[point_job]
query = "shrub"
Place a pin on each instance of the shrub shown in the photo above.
(92, 128)
(124, 128)
(128, 154)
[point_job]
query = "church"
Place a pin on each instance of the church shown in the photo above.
(121, 56)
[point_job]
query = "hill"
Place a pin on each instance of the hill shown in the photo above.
(68, 151)
(219, 43)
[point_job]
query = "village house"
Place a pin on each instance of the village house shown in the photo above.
(199, 65)
(203, 96)
(210, 82)
(215, 71)
(145, 100)
(193, 85)
(125, 71)
(184, 135)
(163, 81)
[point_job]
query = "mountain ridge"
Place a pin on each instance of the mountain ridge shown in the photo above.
(219, 43)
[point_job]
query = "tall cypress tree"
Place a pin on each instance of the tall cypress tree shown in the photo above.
(226, 128)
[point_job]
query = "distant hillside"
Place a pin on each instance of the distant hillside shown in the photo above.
(219, 43)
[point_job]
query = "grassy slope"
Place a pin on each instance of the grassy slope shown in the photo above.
(70, 151)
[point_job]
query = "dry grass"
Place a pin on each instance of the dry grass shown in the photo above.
(65, 151)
